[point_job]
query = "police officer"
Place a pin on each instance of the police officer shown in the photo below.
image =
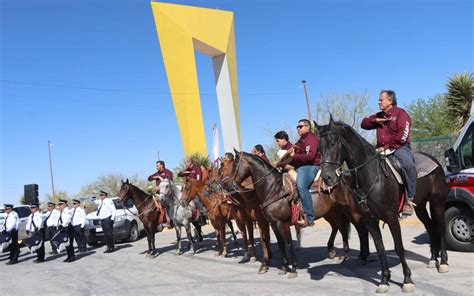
(64, 224)
(34, 226)
(50, 222)
(78, 223)
(10, 228)
(106, 214)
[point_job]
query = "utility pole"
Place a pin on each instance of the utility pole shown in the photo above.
(51, 167)
(158, 154)
(307, 101)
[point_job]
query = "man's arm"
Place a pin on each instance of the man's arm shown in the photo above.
(371, 122)
(153, 177)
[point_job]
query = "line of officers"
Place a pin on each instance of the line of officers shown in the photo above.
(58, 219)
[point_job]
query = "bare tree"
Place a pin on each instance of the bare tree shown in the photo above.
(110, 183)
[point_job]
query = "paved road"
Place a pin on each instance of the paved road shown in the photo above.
(128, 271)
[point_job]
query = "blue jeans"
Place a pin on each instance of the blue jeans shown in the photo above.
(305, 177)
(407, 160)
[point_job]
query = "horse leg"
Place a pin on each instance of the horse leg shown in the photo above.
(190, 246)
(408, 285)
(251, 240)
(422, 214)
(373, 228)
(299, 236)
(178, 239)
(331, 249)
(219, 243)
(345, 230)
(198, 231)
(288, 245)
(232, 231)
(363, 241)
(437, 214)
(153, 243)
(243, 232)
(265, 242)
(281, 247)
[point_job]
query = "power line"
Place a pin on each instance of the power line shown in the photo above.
(142, 91)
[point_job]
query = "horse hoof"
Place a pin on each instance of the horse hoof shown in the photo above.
(262, 269)
(408, 288)
(382, 289)
(432, 264)
(177, 253)
(443, 268)
(225, 255)
(253, 259)
(282, 272)
(332, 254)
(292, 275)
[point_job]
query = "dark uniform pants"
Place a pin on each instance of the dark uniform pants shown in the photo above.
(108, 228)
(51, 232)
(70, 248)
(79, 236)
(14, 249)
(40, 250)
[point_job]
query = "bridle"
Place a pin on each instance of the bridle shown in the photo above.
(138, 207)
(239, 189)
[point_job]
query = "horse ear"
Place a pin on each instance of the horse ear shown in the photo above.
(122, 181)
(316, 125)
(331, 120)
(236, 151)
(127, 182)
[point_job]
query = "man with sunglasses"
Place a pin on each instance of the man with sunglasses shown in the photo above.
(306, 160)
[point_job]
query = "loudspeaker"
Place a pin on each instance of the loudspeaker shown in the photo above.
(31, 193)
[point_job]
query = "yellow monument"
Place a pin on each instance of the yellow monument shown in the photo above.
(181, 30)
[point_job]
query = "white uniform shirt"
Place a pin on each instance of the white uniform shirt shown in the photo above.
(106, 209)
(37, 218)
(65, 217)
(53, 218)
(11, 221)
(78, 217)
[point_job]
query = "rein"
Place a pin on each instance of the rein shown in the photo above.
(237, 188)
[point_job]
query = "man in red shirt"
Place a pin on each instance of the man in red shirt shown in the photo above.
(164, 173)
(393, 132)
(306, 160)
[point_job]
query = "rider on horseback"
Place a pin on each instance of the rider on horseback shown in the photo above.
(194, 171)
(306, 160)
(260, 152)
(164, 173)
(393, 133)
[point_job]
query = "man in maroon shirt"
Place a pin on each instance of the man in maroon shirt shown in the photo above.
(393, 132)
(306, 160)
(195, 172)
(164, 173)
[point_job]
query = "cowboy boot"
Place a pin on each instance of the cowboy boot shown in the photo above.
(408, 207)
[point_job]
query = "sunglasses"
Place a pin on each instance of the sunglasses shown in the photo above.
(300, 126)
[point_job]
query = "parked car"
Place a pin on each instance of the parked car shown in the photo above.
(127, 225)
(459, 214)
(23, 213)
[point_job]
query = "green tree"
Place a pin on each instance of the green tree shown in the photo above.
(110, 183)
(22, 200)
(429, 118)
(459, 98)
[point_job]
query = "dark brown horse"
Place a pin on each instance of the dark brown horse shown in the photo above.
(248, 203)
(379, 195)
(146, 211)
(274, 201)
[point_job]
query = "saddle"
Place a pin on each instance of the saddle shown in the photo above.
(424, 166)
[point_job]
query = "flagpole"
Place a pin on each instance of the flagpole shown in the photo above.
(307, 100)
(51, 167)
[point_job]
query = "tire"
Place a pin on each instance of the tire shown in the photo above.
(459, 229)
(133, 233)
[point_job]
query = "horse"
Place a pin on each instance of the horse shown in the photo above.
(146, 212)
(379, 194)
(182, 215)
(249, 201)
(218, 210)
(274, 200)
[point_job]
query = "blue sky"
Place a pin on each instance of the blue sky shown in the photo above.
(88, 75)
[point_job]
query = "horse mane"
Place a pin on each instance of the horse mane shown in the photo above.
(264, 164)
(350, 131)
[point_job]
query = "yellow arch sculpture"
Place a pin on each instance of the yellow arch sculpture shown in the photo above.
(181, 30)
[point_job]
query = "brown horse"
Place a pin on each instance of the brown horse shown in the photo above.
(219, 211)
(273, 198)
(146, 212)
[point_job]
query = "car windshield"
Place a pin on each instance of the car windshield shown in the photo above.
(2, 211)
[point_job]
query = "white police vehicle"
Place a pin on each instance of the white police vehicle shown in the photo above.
(127, 224)
(23, 213)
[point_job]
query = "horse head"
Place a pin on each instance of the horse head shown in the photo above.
(333, 151)
(191, 188)
(125, 191)
(240, 168)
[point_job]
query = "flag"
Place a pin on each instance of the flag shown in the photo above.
(215, 142)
